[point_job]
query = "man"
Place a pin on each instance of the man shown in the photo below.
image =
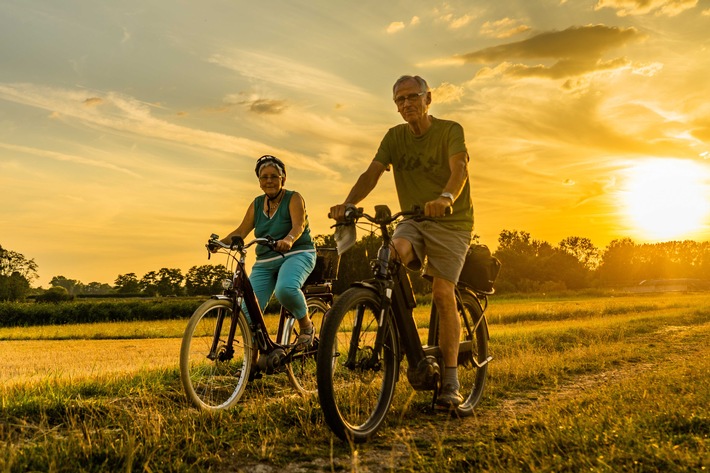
(430, 164)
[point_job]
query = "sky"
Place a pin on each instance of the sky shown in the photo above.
(129, 130)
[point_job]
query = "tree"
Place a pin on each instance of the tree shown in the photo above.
(95, 287)
(72, 286)
(55, 294)
(16, 274)
(13, 287)
(149, 283)
(618, 264)
(127, 284)
(166, 282)
(12, 261)
(583, 249)
(206, 280)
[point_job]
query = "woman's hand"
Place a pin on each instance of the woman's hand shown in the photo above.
(284, 244)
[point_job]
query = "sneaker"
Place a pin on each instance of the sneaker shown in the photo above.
(305, 339)
(449, 396)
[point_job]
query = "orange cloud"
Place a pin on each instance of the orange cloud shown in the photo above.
(642, 7)
(578, 50)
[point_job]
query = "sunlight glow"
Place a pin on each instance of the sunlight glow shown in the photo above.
(667, 198)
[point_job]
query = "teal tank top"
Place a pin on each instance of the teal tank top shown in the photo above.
(278, 226)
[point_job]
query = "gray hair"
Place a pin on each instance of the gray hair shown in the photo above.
(281, 172)
(423, 86)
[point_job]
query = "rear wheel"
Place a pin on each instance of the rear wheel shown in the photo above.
(214, 375)
(473, 352)
(302, 369)
(356, 383)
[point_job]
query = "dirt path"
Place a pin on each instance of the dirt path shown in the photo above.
(392, 453)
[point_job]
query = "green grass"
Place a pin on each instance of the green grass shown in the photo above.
(580, 384)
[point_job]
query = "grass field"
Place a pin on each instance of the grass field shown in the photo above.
(576, 384)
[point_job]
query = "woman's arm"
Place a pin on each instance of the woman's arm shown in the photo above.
(297, 210)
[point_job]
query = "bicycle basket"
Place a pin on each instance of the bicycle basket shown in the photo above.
(480, 269)
(327, 264)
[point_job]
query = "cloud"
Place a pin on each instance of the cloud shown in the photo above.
(395, 27)
(92, 101)
(284, 72)
(122, 114)
(504, 28)
(446, 93)
(578, 50)
(68, 158)
(254, 103)
(642, 7)
(457, 22)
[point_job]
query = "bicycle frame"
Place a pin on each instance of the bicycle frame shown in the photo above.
(394, 287)
(240, 291)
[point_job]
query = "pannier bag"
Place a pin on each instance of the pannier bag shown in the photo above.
(480, 269)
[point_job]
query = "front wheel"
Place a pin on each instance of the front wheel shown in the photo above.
(302, 369)
(356, 381)
(215, 373)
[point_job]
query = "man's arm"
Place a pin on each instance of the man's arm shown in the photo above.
(362, 188)
(458, 164)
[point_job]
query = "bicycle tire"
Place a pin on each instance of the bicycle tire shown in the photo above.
(355, 399)
(214, 385)
(474, 329)
(302, 369)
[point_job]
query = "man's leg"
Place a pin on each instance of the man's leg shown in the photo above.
(443, 293)
(404, 250)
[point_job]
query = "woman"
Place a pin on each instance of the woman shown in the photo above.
(281, 214)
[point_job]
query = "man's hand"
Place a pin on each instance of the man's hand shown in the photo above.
(337, 212)
(438, 208)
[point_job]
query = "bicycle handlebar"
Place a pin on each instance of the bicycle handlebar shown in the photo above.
(383, 215)
(238, 244)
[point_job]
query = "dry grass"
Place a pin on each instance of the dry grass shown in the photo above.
(590, 384)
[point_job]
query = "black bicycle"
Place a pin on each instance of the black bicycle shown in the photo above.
(370, 329)
(222, 349)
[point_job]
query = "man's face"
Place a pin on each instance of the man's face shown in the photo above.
(414, 107)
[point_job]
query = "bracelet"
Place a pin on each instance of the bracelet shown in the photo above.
(293, 238)
(448, 195)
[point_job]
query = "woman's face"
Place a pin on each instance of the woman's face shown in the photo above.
(270, 181)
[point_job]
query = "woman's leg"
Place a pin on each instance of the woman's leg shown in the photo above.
(263, 280)
(292, 274)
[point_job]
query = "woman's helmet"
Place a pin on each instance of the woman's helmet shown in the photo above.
(271, 160)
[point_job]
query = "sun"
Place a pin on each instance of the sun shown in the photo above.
(667, 199)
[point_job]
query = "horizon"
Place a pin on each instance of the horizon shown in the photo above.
(131, 130)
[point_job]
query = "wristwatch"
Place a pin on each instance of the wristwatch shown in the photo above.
(449, 196)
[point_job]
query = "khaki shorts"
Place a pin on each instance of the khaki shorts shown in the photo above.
(441, 249)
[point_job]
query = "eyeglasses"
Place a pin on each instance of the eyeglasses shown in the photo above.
(411, 97)
(272, 177)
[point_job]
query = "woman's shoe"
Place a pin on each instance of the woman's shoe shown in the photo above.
(305, 339)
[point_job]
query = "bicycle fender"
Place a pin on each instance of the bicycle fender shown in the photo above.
(484, 319)
(220, 297)
(366, 285)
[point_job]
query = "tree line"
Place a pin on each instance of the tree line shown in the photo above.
(528, 265)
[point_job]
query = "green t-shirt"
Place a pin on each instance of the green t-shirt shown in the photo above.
(278, 226)
(421, 167)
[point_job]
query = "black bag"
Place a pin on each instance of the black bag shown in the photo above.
(480, 269)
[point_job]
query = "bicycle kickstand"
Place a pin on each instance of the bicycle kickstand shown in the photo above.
(437, 388)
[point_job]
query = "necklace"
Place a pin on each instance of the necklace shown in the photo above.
(271, 205)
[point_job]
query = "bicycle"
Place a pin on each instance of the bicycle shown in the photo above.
(222, 349)
(371, 328)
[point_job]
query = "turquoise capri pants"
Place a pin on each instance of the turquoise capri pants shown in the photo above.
(283, 277)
